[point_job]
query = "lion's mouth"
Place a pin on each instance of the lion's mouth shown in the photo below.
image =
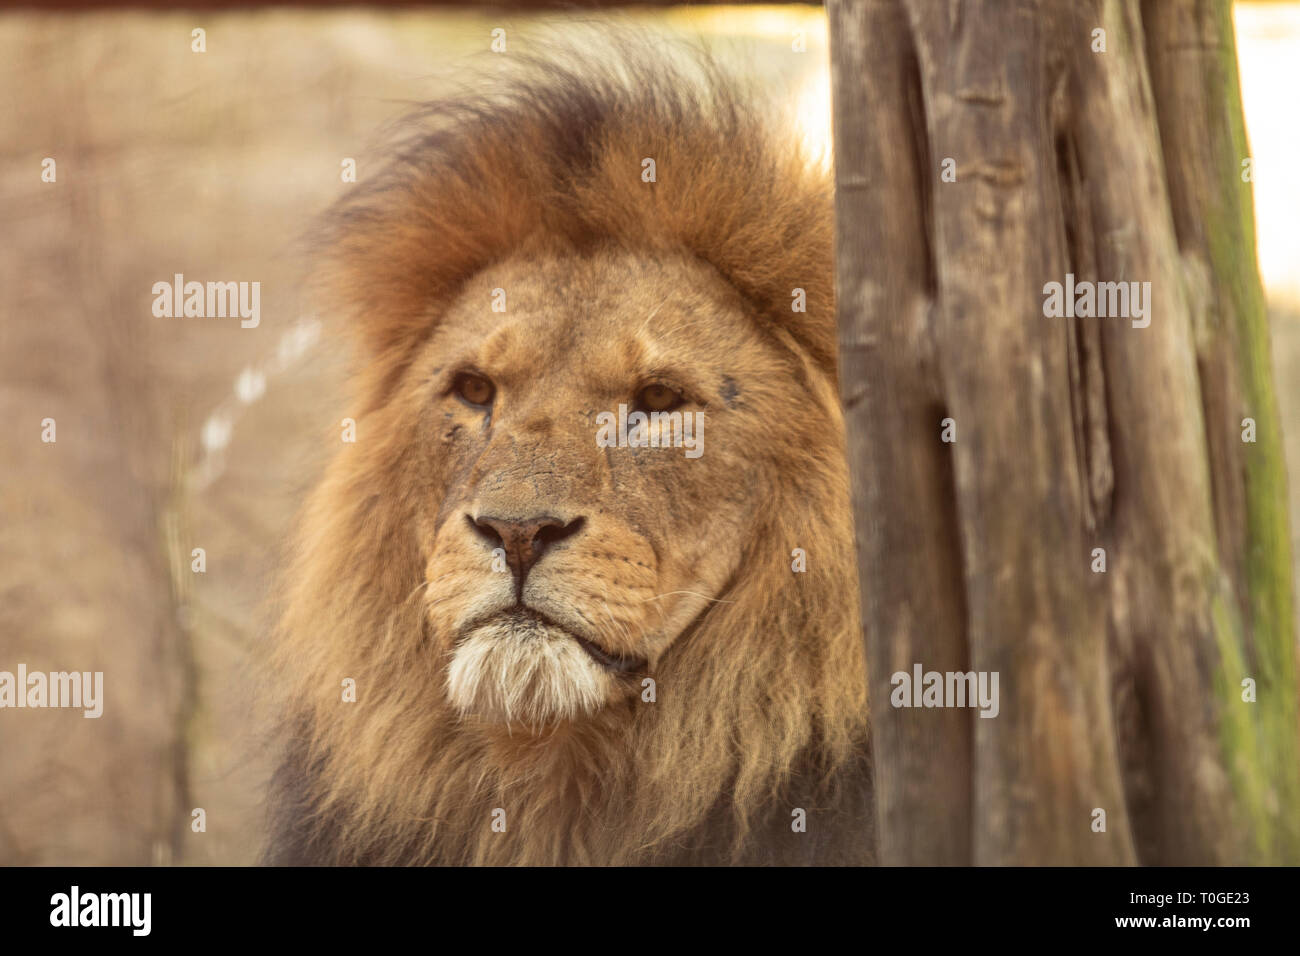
(613, 662)
(616, 663)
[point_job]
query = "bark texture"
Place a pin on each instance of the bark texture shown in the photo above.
(1120, 690)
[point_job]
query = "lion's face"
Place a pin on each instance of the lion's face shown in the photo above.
(559, 568)
(497, 572)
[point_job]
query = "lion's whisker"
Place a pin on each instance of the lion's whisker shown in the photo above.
(711, 600)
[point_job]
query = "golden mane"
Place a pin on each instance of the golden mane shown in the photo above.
(762, 705)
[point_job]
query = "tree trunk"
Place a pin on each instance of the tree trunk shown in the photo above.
(1120, 690)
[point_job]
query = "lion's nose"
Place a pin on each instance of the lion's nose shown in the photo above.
(524, 541)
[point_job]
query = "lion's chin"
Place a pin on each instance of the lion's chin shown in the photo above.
(531, 673)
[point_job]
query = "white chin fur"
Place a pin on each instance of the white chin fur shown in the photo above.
(535, 676)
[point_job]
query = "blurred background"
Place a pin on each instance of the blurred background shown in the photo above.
(175, 434)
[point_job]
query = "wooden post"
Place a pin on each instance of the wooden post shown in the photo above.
(1099, 140)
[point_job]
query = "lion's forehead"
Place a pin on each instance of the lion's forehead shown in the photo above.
(599, 317)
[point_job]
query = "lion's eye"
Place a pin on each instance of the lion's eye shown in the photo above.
(658, 398)
(474, 389)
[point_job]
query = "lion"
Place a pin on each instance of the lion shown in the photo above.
(569, 642)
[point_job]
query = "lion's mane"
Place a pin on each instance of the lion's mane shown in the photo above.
(761, 707)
